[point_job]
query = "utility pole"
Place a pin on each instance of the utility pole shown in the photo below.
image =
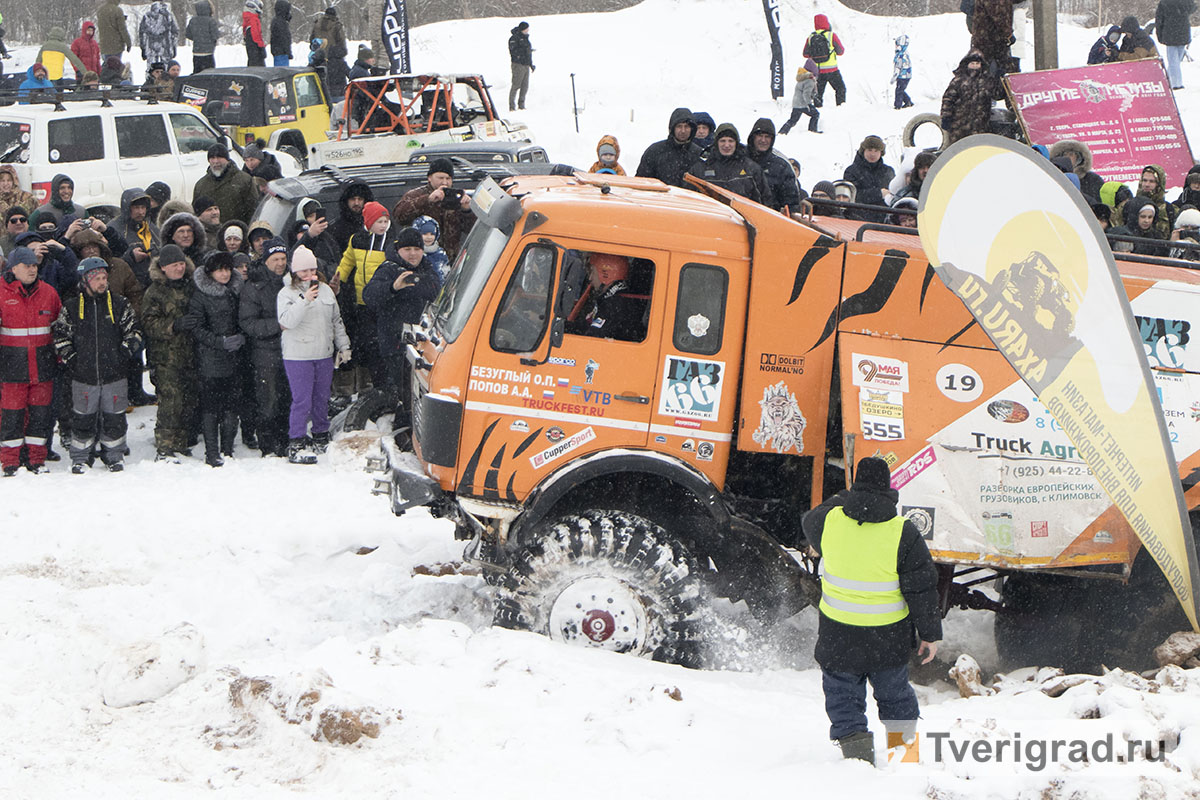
(1045, 34)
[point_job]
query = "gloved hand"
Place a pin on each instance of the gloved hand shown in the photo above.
(343, 357)
(532, 68)
(232, 343)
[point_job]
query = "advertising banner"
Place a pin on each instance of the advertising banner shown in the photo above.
(1124, 112)
(394, 33)
(771, 9)
(1042, 284)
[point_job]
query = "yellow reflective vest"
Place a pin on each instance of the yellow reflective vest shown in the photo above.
(859, 582)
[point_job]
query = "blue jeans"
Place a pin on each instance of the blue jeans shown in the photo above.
(846, 699)
(1174, 59)
(282, 61)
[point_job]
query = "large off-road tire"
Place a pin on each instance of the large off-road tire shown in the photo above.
(910, 129)
(606, 579)
(1083, 624)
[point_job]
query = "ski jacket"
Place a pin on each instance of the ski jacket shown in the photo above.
(362, 257)
(394, 307)
(311, 329)
(87, 48)
(27, 313)
(202, 30)
(96, 336)
(281, 29)
(55, 54)
(258, 315)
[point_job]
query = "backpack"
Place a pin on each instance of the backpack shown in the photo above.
(818, 47)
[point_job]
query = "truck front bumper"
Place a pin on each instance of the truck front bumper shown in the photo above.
(406, 483)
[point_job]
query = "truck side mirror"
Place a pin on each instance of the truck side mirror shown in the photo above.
(212, 110)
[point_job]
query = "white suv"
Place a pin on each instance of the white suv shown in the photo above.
(106, 150)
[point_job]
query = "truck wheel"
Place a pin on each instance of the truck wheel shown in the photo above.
(910, 129)
(609, 580)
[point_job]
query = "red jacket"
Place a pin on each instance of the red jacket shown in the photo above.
(26, 343)
(87, 48)
(252, 28)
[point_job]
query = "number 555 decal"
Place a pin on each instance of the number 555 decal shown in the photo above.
(873, 429)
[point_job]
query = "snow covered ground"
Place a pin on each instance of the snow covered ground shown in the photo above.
(178, 631)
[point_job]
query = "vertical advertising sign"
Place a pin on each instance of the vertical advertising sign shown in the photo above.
(771, 9)
(1042, 284)
(394, 33)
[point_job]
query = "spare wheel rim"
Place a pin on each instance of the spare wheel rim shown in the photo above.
(600, 612)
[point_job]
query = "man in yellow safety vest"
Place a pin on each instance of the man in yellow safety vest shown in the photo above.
(878, 595)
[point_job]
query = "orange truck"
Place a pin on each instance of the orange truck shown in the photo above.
(610, 482)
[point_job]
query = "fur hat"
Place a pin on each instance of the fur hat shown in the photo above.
(218, 259)
(1188, 218)
(171, 254)
(872, 474)
(441, 165)
(872, 142)
(371, 212)
(302, 259)
(409, 237)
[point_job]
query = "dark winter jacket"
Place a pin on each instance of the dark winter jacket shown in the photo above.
(268, 170)
(54, 206)
(87, 48)
(736, 173)
(869, 182)
(325, 247)
(199, 248)
(158, 33)
(1136, 43)
(1129, 213)
(967, 101)
(455, 222)
(861, 649)
(258, 317)
(329, 29)
(212, 315)
(669, 160)
(58, 267)
(520, 51)
(234, 192)
(362, 69)
(394, 308)
(349, 223)
(1105, 48)
(27, 353)
(785, 192)
(281, 29)
(1089, 182)
(1172, 23)
(202, 30)
(1187, 197)
(96, 336)
(134, 236)
(168, 344)
(704, 118)
(992, 30)
(111, 29)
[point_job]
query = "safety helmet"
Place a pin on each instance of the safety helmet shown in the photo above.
(609, 268)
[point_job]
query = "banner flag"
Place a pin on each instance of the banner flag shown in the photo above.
(771, 9)
(394, 33)
(1041, 282)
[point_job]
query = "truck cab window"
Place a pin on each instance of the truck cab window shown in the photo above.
(615, 302)
(700, 310)
(523, 312)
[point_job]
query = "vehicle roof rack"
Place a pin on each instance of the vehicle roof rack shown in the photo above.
(105, 93)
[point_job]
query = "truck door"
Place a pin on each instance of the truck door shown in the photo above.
(312, 109)
(530, 407)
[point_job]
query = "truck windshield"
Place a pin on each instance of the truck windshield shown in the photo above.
(470, 273)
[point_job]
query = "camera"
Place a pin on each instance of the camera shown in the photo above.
(452, 198)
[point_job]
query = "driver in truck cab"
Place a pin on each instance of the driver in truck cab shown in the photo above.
(607, 308)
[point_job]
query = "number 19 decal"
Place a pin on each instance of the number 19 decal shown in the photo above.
(959, 382)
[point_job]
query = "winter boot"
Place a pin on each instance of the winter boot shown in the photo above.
(116, 466)
(859, 745)
(297, 453)
(10, 471)
(320, 442)
(78, 468)
(212, 448)
(164, 454)
(229, 427)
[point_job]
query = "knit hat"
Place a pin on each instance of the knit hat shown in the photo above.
(872, 473)
(331, 12)
(218, 150)
(159, 192)
(872, 142)
(606, 149)
(90, 265)
(365, 53)
(12, 212)
(173, 63)
(254, 150)
(1188, 218)
(850, 188)
(524, 26)
(302, 259)
(241, 260)
(272, 246)
(409, 237)
(371, 212)
(218, 259)
(233, 232)
(441, 165)
(202, 204)
(425, 224)
(824, 186)
(171, 254)
(20, 255)
(89, 77)
(41, 66)
(39, 217)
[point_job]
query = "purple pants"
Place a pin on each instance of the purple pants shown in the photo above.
(310, 382)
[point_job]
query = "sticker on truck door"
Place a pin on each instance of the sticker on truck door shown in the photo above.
(692, 388)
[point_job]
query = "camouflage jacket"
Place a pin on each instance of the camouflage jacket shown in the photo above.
(165, 303)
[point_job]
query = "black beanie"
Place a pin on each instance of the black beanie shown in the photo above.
(218, 150)
(170, 254)
(441, 165)
(409, 237)
(873, 473)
